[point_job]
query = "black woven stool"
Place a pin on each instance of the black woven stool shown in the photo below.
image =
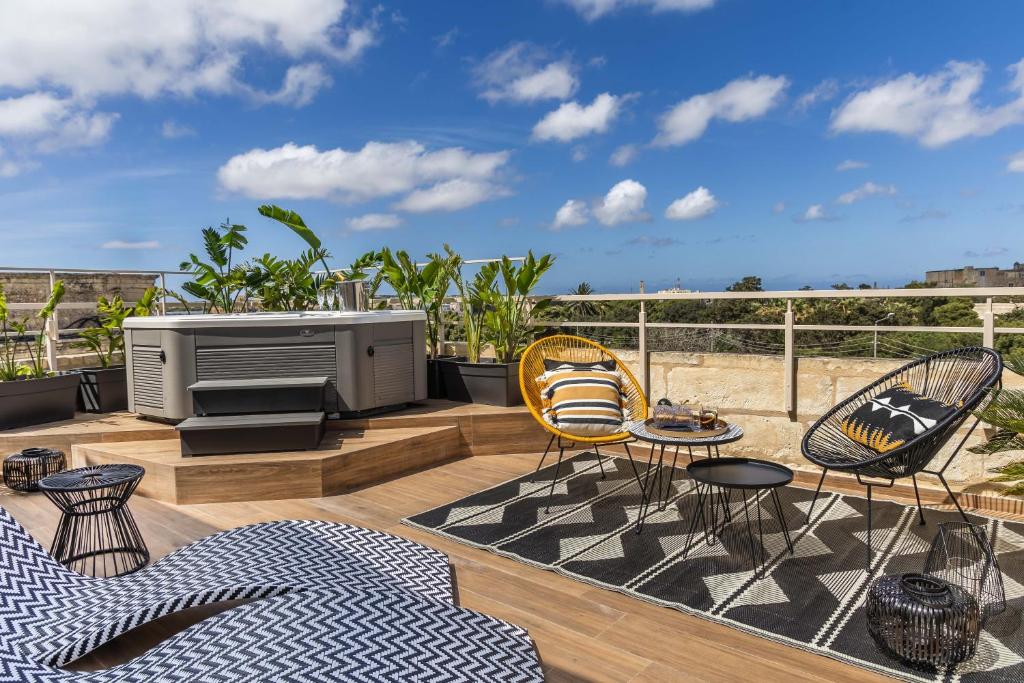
(97, 534)
(923, 621)
(22, 471)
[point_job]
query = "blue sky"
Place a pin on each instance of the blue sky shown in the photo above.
(698, 140)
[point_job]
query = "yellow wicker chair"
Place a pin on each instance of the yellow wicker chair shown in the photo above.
(577, 350)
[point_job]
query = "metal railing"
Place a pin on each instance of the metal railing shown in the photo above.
(789, 327)
(53, 329)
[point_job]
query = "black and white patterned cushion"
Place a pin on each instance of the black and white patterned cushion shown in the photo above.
(50, 616)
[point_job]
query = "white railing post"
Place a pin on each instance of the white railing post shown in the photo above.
(789, 362)
(163, 293)
(52, 332)
(645, 361)
(988, 323)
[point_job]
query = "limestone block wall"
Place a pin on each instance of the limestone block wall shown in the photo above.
(748, 389)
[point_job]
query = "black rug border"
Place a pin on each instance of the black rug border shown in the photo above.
(679, 607)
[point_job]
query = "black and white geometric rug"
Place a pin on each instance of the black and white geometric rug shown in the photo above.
(812, 599)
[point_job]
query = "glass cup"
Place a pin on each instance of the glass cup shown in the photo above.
(708, 417)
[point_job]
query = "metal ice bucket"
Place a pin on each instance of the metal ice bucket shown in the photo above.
(350, 295)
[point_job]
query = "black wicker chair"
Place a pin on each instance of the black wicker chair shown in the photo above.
(961, 377)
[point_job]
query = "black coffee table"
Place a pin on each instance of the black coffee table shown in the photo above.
(743, 475)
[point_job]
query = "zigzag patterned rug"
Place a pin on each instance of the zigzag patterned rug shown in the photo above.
(812, 599)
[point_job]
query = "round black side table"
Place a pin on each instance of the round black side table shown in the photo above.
(22, 471)
(97, 534)
(742, 474)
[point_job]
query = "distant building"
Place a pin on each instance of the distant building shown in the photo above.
(969, 276)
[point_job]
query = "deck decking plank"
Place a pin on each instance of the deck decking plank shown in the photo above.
(583, 633)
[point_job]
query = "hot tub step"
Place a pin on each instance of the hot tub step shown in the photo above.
(264, 433)
(269, 395)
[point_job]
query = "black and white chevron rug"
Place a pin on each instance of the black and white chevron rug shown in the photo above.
(812, 599)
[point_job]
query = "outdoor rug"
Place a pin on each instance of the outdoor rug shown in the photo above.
(813, 599)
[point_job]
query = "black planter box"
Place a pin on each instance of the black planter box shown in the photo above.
(26, 402)
(435, 376)
(103, 390)
(495, 384)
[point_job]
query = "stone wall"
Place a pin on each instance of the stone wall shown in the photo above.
(748, 389)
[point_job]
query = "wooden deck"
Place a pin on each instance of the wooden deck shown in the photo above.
(583, 633)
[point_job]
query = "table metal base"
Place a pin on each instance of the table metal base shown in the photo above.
(656, 483)
(756, 554)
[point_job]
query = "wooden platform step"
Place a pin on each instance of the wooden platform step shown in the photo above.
(344, 460)
(221, 434)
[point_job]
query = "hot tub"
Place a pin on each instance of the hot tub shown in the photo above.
(372, 359)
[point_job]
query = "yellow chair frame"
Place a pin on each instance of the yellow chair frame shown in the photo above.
(577, 350)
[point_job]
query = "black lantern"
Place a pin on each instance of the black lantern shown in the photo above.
(22, 471)
(962, 554)
(922, 620)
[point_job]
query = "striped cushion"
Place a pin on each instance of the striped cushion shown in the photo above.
(585, 400)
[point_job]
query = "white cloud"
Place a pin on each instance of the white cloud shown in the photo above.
(51, 123)
(525, 73)
(60, 59)
(1016, 163)
(122, 244)
(623, 155)
(301, 84)
(447, 38)
(374, 221)
(379, 169)
(572, 120)
(868, 189)
(624, 203)
(778, 207)
(574, 212)
(814, 212)
(740, 100)
(935, 109)
(696, 204)
(851, 165)
(153, 47)
(450, 195)
(172, 130)
(595, 9)
(823, 92)
(579, 153)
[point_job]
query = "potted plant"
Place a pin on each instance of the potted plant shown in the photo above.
(104, 388)
(423, 288)
(29, 392)
(497, 308)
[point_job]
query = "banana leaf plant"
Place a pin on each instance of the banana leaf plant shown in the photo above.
(508, 325)
(293, 221)
(14, 333)
(477, 297)
(366, 268)
(107, 340)
(420, 288)
(218, 281)
(1005, 412)
(284, 284)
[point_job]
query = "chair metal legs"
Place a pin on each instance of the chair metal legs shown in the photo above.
(541, 463)
(816, 492)
(562, 447)
(920, 510)
(869, 527)
(551, 491)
